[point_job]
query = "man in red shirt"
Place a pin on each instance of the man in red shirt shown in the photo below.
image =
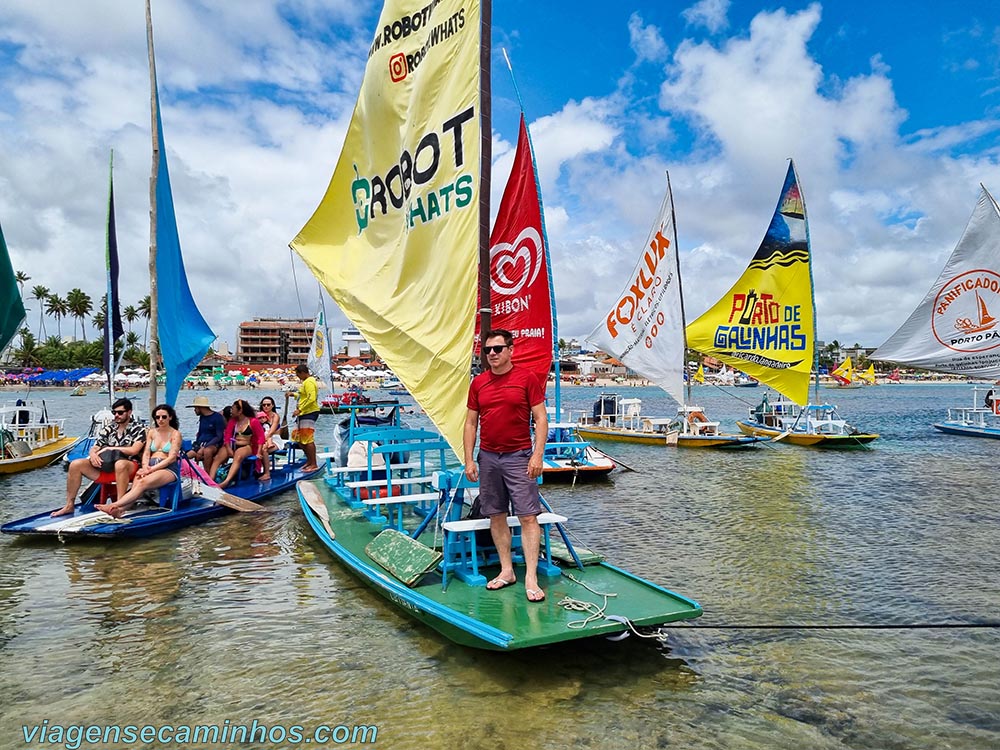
(501, 400)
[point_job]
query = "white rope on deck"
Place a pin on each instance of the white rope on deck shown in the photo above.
(599, 612)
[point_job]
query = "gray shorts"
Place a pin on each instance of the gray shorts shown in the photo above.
(504, 484)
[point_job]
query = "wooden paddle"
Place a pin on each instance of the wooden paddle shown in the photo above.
(220, 497)
(283, 428)
(616, 460)
(315, 501)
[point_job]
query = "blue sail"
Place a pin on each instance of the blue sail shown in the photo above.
(185, 337)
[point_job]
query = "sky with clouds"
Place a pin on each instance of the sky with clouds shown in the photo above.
(891, 111)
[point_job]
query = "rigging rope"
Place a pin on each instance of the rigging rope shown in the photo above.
(295, 280)
(844, 626)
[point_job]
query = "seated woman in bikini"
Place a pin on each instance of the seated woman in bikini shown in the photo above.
(243, 438)
(163, 446)
(270, 422)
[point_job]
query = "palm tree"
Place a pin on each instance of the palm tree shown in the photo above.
(28, 353)
(57, 307)
(41, 294)
(145, 311)
(22, 278)
(131, 340)
(99, 320)
(131, 314)
(80, 305)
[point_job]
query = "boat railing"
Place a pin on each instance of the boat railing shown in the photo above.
(30, 424)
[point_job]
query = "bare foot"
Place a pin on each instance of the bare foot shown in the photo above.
(110, 508)
(66, 510)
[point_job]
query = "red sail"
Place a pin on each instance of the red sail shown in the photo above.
(519, 274)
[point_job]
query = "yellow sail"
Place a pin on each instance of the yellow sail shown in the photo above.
(868, 376)
(395, 239)
(764, 324)
(699, 377)
(845, 371)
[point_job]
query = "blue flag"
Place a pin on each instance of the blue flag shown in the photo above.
(113, 328)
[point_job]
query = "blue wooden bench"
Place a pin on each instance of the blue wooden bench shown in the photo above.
(462, 555)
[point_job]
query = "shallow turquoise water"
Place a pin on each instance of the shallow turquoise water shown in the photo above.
(248, 618)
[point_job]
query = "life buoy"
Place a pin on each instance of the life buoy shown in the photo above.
(697, 416)
(996, 406)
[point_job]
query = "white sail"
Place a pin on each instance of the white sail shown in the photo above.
(645, 326)
(319, 353)
(956, 328)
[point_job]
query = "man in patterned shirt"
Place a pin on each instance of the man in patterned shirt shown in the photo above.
(124, 435)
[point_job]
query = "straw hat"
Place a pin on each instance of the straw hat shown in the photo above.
(201, 401)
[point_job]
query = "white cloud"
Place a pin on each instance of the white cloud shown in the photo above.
(646, 41)
(708, 13)
(257, 97)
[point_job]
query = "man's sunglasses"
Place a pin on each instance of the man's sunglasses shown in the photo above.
(121, 411)
(495, 349)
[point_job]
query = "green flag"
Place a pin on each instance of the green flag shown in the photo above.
(11, 306)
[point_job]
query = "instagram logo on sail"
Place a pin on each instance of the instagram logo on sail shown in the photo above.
(398, 67)
(962, 318)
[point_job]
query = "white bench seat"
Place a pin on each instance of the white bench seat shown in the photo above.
(382, 482)
(359, 469)
(475, 524)
(461, 554)
(417, 497)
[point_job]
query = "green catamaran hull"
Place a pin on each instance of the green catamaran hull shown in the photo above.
(500, 620)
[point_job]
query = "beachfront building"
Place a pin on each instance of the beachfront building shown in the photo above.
(274, 341)
(355, 344)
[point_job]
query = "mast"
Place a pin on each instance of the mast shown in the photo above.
(154, 342)
(680, 295)
(812, 285)
(109, 346)
(485, 164)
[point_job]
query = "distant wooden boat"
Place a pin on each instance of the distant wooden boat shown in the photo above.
(620, 419)
(654, 345)
(78, 391)
(29, 439)
(981, 419)
(765, 325)
(817, 425)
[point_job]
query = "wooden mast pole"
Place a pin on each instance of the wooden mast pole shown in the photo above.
(154, 341)
(485, 163)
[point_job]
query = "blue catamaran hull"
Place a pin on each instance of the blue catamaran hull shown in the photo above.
(86, 522)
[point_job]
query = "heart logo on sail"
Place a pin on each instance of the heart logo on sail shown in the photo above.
(515, 265)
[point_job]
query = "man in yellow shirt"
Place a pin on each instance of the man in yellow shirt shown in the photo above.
(307, 413)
